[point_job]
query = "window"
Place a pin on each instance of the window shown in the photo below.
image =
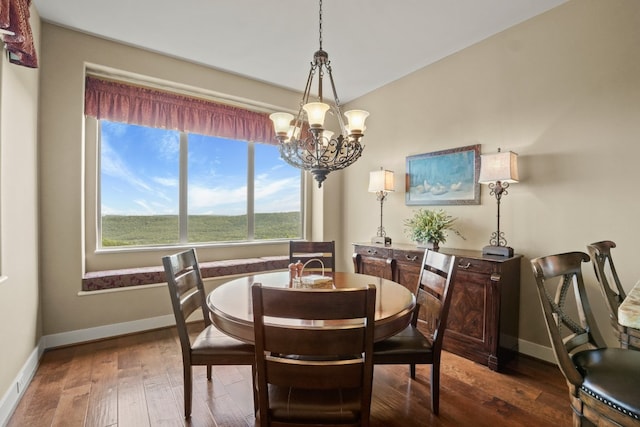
(164, 187)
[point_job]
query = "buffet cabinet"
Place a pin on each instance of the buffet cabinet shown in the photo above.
(483, 318)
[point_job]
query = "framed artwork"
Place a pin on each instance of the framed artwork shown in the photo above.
(447, 177)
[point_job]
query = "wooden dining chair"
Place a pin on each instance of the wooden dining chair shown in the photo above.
(210, 347)
(603, 382)
(421, 341)
(306, 251)
(611, 287)
(319, 370)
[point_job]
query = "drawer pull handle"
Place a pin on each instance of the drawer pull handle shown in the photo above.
(411, 258)
(464, 267)
(372, 251)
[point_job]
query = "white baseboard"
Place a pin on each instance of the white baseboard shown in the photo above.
(107, 331)
(536, 350)
(12, 396)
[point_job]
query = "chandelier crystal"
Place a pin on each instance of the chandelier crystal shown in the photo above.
(305, 143)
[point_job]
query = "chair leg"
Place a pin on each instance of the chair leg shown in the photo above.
(255, 389)
(412, 371)
(188, 379)
(209, 372)
(435, 388)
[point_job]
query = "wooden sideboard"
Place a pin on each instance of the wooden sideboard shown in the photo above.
(483, 319)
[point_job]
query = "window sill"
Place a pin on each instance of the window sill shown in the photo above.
(110, 279)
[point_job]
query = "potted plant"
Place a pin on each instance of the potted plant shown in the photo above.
(429, 227)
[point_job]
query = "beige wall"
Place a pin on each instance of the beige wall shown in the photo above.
(563, 91)
(19, 289)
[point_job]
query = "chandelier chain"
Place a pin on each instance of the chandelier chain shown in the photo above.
(320, 25)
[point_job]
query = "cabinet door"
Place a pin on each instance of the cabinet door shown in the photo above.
(373, 261)
(408, 268)
(471, 326)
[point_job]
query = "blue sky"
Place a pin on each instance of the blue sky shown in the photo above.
(139, 174)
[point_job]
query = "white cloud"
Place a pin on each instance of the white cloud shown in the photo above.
(112, 165)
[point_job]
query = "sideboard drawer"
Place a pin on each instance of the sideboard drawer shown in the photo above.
(410, 257)
(474, 265)
(373, 251)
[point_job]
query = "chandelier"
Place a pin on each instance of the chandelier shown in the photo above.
(306, 143)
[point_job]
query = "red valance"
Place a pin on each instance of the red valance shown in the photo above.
(14, 17)
(122, 102)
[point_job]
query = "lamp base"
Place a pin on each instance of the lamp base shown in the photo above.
(505, 251)
(382, 240)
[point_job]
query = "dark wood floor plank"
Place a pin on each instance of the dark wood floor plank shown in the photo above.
(136, 380)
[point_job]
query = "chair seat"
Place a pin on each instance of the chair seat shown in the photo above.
(612, 375)
(213, 342)
(408, 343)
(314, 405)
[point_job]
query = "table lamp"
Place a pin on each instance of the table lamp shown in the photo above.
(381, 183)
(498, 171)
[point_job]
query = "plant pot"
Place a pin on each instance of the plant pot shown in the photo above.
(434, 246)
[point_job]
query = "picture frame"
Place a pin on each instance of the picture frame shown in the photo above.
(446, 177)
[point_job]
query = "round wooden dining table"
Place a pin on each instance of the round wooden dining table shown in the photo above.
(232, 310)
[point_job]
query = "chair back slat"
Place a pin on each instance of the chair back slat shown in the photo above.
(318, 342)
(191, 304)
(314, 303)
(301, 374)
(306, 251)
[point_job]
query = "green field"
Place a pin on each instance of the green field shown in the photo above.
(123, 230)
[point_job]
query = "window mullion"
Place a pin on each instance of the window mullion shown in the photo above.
(183, 196)
(250, 190)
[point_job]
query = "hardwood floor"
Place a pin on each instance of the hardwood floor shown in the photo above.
(136, 381)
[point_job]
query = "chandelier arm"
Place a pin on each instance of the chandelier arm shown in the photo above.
(320, 76)
(338, 110)
(305, 97)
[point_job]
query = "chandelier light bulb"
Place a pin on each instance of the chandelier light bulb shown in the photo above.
(281, 122)
(356, 120)
(315, 113)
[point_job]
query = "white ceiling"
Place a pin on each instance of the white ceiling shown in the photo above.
(370, 42)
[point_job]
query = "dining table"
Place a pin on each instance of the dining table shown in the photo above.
(231, 308)
(629, 319)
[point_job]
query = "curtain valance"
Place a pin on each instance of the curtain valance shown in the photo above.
(122, 102)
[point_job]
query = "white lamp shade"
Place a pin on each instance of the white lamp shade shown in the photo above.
(356, 120)
(315, 113)
(501, 166)
(381, 180)
(281, 122)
